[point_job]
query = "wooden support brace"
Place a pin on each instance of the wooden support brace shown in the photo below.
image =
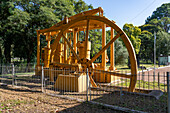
(68, 43)
(103, 49)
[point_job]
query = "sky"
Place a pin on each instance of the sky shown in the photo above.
(127, 11)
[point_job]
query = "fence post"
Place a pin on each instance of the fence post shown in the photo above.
(90, 84)
(13, 74)
(87, 83)
(168, 91)
(42, 79)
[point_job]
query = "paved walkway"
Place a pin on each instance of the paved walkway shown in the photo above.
(160, 74)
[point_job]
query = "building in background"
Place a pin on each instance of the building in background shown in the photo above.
(164, 60)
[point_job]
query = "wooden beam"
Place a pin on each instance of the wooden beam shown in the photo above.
(75, 40)
(38, 48)
(65, 65)
(113, 73)
(86, 39)
(48, 38)
(104, 44)
(65, 50)
(92, 81)
(112, 51)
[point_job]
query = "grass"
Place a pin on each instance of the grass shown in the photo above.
(145, 85)
(29, 73)
(126, 69)
(8, 104)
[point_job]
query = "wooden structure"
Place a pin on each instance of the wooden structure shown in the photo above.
(64, 50)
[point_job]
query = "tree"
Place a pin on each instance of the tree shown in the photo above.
(6, 8)
(133, 33)
(81, 6)
(21, 20)
(163, 43)
(162, 11)
(158, 22)
(146, 49)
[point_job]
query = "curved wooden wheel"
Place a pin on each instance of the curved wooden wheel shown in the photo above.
(120, 33)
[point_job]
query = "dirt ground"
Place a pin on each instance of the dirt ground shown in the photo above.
(25, 101)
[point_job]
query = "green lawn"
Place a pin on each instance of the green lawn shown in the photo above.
(126, 69)
(145, 85)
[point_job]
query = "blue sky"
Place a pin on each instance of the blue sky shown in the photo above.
(127, 11)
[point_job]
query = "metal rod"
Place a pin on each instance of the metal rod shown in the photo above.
(13, 74)
(154, 52)
(168, 92)
(42, 78)
(87, 79)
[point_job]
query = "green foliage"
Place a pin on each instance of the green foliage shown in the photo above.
(162, 11)
(163, 43)
(133, 33)
(121, 54)
(120, 51)
(95, 37)
(159, 23)
(21, 20)
(81, 6)
(146, 49)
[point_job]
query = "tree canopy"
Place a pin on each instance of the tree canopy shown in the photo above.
(21, 19)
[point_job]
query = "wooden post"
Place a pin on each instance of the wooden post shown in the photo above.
(103, 44)
(78, 35)
(86, 38)
(74, 40)
(47, 51)
(70, 43)
(38, 48)
(74, 43)
(48, 41)
(65, 50)
(102, 75)
(112, 52)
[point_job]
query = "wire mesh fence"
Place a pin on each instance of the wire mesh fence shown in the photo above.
(112, 88)
(150, 93)
(22, 76)
(71, 84)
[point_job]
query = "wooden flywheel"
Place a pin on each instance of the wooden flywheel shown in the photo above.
(75, 53)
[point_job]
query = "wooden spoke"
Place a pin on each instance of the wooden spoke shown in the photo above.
(92, 81)
(104, 48)
(74, 53)
(114, 73)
